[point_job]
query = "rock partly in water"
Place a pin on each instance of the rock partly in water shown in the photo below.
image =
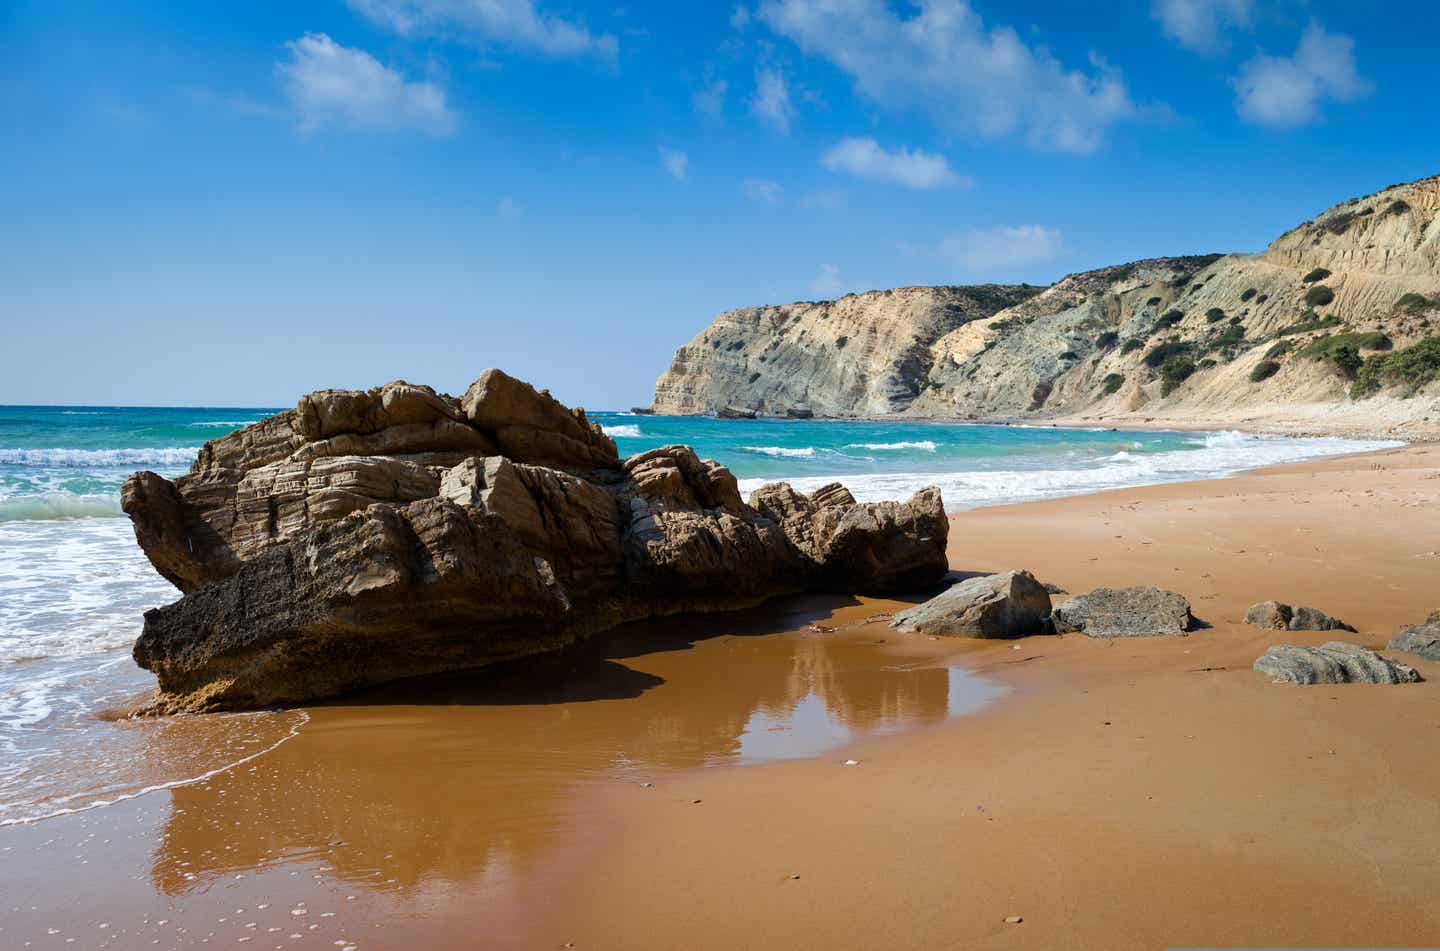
(1334, 663)
(1422, 640)
(371, 535)
(1124, 612)
(1278, 616)
(1009, 604)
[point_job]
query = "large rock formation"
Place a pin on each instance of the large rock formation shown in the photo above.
(1234, 331)
(368, 536)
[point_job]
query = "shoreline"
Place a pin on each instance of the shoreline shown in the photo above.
(1115, 781)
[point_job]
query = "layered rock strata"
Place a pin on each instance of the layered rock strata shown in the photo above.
(366, 536)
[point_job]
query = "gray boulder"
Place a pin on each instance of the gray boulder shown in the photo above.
(1334, 663)
(1124, 612)
(1278, 616)
(1270, 615)
(1009, 604)
(1421, 639)
(1310, 619)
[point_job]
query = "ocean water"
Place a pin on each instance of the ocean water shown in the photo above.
(74, 586)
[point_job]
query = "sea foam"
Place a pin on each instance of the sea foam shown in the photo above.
(98, 458)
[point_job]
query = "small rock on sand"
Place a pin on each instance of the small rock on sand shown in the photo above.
(1279, 616)
(1144, 611)
(1422, 640)
(1334, 663)
(1009, 604)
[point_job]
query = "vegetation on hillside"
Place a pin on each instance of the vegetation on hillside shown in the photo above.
(1413, 368)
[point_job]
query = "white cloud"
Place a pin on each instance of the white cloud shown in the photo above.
(517, 23)
(771, 102)
(762, 189)
(676, 163)
(1001, 248)
(1196, 24)
(710, 99)
(972, 80)
(740, 17)
(866, 158)
(1284, 92)
(333, 85)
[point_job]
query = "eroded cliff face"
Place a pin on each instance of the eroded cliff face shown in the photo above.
(860, 355)
(1179, 339)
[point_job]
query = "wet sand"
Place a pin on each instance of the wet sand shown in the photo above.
(1123, 794)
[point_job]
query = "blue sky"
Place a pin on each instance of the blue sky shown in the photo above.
(232, 204)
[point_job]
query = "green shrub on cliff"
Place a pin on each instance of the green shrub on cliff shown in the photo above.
(1107, 340)
(1279, 349)
(1131, 345)
(841, 341)
(1158, 355)
(1113, 382)
(1308, 321)
(1168, 320)
(1413, 367)
(1319, 296)
(1214, 315)
(1323, 347)
(1264, 370)
(1319, 274)
(1175, 371)
(1412, 302)
(1249, 293)
(1233, 336)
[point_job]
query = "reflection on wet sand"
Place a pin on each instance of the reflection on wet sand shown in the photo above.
(418, 787)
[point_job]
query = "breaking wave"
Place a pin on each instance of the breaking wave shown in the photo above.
(99, 458)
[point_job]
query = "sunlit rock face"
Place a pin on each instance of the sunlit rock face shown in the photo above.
(367, 536)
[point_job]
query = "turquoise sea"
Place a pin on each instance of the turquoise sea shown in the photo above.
(73, 584)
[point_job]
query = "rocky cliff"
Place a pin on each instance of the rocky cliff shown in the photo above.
(1335, 326)
(366, 536)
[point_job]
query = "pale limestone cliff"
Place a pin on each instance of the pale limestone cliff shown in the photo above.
(1089, 345)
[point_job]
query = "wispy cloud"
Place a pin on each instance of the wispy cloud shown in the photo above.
(970, 79)
(771, 102)
(675, 162)
(518, 23)
(1284, 92)
(868, 159)
(763, 190)
(1198, 24)
(334, 86)
(1002, 248)
(709, 100)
